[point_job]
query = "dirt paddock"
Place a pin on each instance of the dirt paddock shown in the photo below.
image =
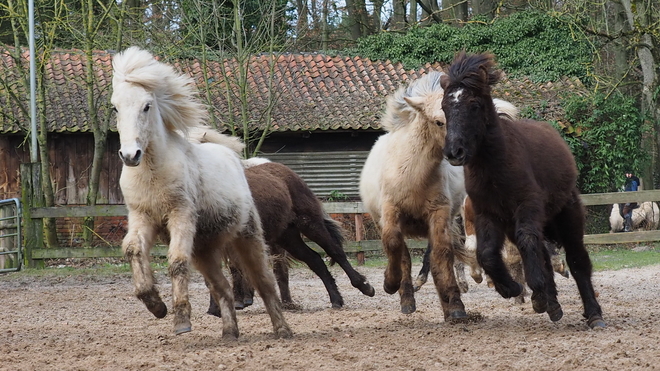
(86, 322)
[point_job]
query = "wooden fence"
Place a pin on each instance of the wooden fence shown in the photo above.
(33, 215)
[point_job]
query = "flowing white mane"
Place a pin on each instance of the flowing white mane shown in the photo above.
(398, 112)
(174, 93)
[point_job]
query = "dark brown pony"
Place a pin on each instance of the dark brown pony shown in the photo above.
(521, 177)
(287, 208)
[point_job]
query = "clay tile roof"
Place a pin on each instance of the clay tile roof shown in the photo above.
(313, 91)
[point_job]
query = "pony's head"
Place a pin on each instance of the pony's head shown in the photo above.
(417, 104)
(468, 105)
(150, 97)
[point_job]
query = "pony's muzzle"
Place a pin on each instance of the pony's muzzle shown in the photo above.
(455, 156)
(131, 159)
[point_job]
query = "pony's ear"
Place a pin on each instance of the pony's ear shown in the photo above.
(444, 81)
(415, 102)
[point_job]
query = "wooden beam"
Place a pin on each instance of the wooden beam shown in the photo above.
(78, 211)
(95, 252)
(624, 237)
(620, 197)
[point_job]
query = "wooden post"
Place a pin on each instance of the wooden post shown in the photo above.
(359, 236)
(32, 196)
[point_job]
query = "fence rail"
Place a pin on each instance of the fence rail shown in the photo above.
(359, 246)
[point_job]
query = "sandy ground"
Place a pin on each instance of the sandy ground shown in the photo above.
(94, 323)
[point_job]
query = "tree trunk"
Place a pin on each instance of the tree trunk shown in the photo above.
(50, 230)
(640, 19)
(430, 12)
(353, 19)
(325, 30)
(399, 15)
(454, 10)
(302, 25)
(485, 8)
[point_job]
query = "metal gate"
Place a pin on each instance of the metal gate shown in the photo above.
(10, 235)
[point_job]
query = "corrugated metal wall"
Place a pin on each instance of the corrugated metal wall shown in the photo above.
(328, 174)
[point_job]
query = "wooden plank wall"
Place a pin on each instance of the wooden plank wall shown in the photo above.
(71, 161)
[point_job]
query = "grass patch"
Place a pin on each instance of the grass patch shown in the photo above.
(623, 257)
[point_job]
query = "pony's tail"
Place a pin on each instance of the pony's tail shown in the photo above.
(334, 228)
(505, 109)
(206, 134)
(254, 161)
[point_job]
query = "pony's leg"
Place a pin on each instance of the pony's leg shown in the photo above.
(136, 246)
(511, 256)
(571, 226)
(406, 292)
(250, 251)
(423, 274)
(489, 244)
(459, 269)
(536, 260)
(238, 286)
(328, 236)
(393, 246)
(281, 271)
(442, 265)
(208, 260)
(181, 226)
(299, 250)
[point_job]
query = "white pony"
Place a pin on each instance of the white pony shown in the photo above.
(410, 191)
(647, 216)
(194, 196)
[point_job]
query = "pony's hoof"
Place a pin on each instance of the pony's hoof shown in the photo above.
(391, 288)
(457, 316)
(283, 333)
(555, 314)
(408, 308)
(596, 322)
(337, 305)
(478, 278)
(182, 329)
(239, 305)
(230, 335)
(214, 312)
(419, 282)
(289, 305)
(539, 303)
(158, 310)
(247, 302)
(367, 289)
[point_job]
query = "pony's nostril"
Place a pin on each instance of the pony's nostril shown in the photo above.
(121, 155)
(138, 154)
(459, 153)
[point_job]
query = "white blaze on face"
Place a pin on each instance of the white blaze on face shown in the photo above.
(456, 95)
(129, 100)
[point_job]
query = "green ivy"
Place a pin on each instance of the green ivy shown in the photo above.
(533, 44)
(605, 139)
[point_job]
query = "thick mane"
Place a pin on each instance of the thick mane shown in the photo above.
(475, 72)
(398, 112)
(174, 92)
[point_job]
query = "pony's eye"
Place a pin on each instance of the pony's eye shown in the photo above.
(146, 107)
(439, 123)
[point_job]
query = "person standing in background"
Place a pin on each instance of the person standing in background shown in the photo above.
(632, 185)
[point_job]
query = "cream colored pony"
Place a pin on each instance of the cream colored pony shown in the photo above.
(194, 196)
(411, 192)
(646, 216)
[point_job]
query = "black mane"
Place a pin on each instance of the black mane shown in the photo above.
(475, 72)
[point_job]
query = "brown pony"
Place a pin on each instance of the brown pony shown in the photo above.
(287, 208)
(521, 177)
